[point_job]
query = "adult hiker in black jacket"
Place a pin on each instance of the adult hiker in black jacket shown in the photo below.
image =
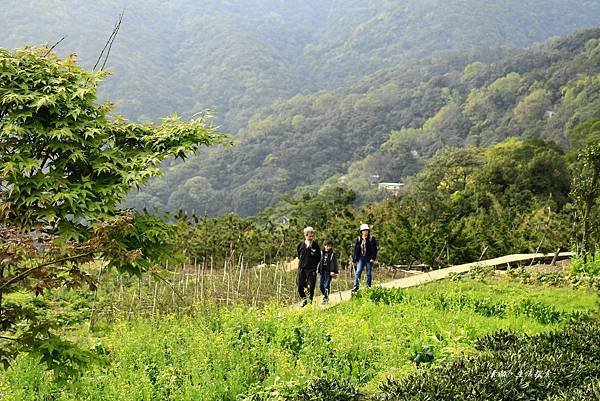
(365, 253)
(309, 256)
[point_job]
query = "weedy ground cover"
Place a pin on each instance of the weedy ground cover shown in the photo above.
(252, 354)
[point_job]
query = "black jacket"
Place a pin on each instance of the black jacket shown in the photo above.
(328, 263)
(371, 249)
(308, 258)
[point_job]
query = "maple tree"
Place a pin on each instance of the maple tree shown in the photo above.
(66, 164)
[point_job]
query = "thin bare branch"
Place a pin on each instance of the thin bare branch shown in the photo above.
(53, 46)
(113, 39)
(109, 42)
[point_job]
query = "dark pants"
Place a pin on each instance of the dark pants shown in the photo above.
(325, 283)
(306, 278)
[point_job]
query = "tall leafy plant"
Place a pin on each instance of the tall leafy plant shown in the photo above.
(585, 189)
(65, 166)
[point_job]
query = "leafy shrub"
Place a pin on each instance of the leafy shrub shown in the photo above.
(526, 368)
(551, 279)
(586, 281)
(590, 391)
(321, 389)
(387, 296)
(487, 308)
(497, 341)
(444, 301)
(481, 272)
(422, 353)
(591, 267)
(477, 273)
(540, 312)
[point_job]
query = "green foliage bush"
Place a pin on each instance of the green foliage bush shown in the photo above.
(577, 265)
(381, 295)
(482, 306)
(512, 367)
(321, 389)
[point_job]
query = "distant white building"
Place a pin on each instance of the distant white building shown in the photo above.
(374, 179)
(391, 187)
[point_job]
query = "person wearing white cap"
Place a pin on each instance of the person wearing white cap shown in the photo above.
(309, 256)
(365, 253)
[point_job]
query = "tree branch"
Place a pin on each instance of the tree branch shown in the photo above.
(109, 42)
(53, 46)
(27, 272)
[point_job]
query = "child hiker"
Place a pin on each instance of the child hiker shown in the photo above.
(328, 268)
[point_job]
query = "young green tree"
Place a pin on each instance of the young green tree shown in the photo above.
(65, 166)
(585, 188)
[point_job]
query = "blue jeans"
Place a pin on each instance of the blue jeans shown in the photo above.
(360, 265)
(325, 283)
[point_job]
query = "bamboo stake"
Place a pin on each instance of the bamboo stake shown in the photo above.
(275, 276)
(187, 277)
(173, 285)
(154, 300)
(196, 281)
(211, 276)
(227, 289)
(240, 274)
(131, 305)
(202, 281)
(248, 295)
(280, 287)
(120, 288)
(95, 297)
(281, 273)
(259, 285)
(140, 282)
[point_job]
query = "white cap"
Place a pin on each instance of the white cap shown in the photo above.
(364, 227)
(308, 230)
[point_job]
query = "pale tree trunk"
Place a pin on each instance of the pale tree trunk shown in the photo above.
(587, 212)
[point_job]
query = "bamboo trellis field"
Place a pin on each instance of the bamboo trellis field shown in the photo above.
(177, 288)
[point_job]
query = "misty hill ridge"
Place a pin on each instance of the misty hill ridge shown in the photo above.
(391, 123)
(238, 56)
(293, 76)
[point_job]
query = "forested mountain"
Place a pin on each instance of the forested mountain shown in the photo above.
(305, 87)
(238, 56)
(391, 123)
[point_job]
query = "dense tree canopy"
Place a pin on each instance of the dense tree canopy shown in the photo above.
(292, 57)
(239, 56)
(65, 167)
(391, 123)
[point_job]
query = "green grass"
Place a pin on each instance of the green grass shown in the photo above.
(223, 353)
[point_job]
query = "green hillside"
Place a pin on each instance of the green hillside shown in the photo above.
(299, 84)
(478, 98)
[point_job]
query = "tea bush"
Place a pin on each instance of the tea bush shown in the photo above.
(512, 367)
(321, 389)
